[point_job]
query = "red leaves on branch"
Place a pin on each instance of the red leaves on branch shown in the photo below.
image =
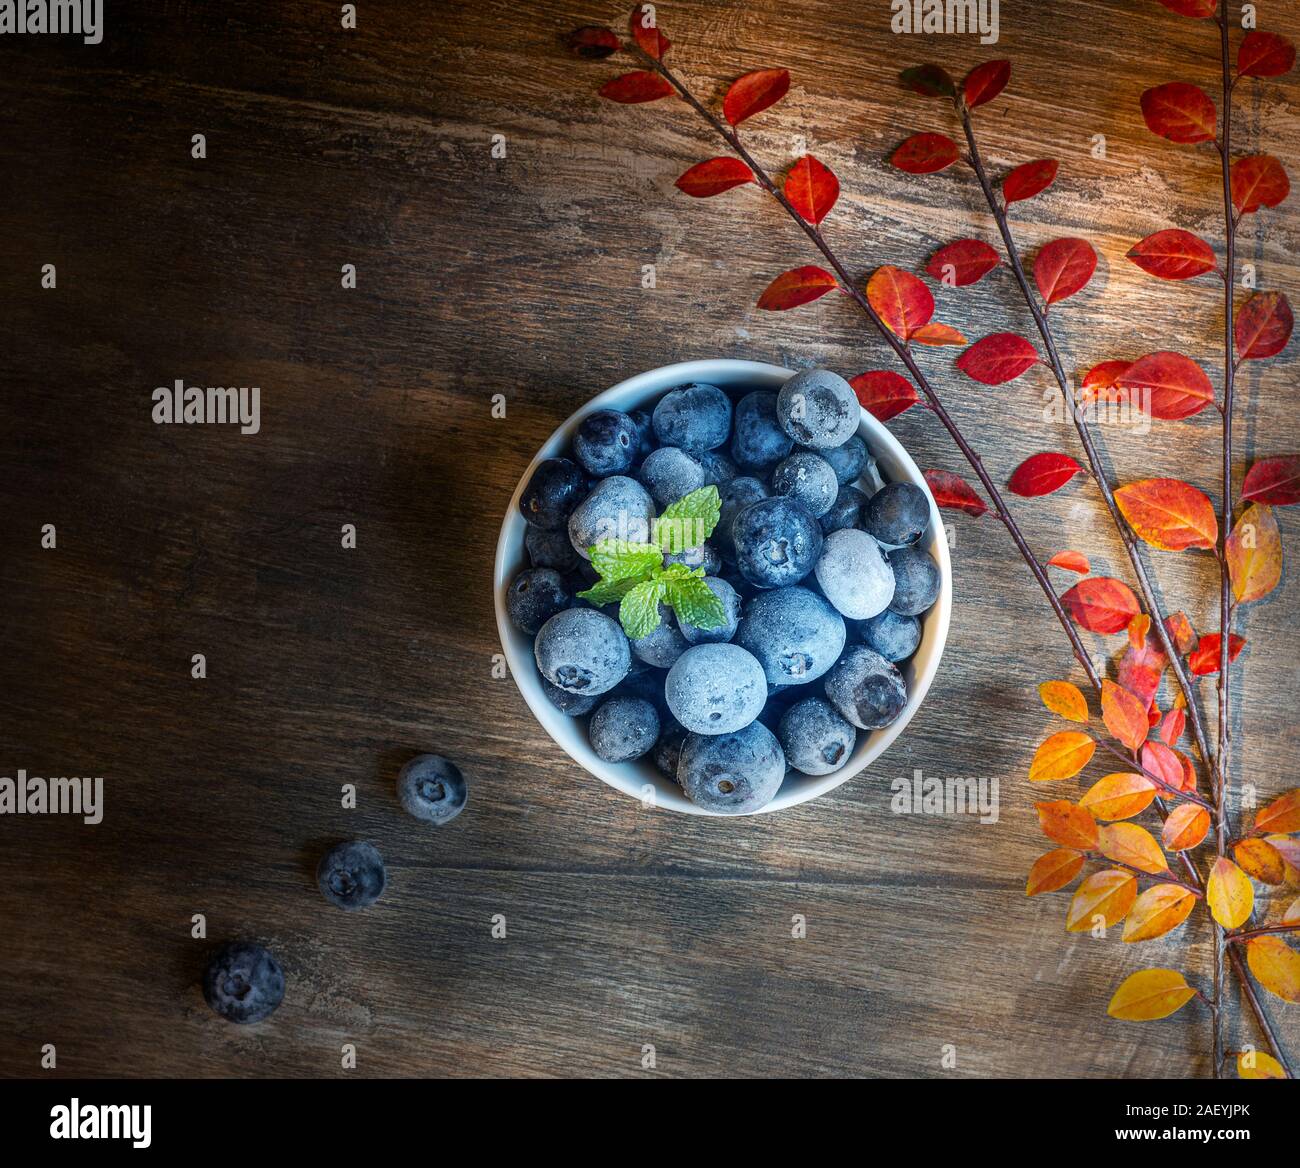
(985, 82)
(1099, 382)
(753, 93)
(1264, 54)
(1072, 562)
(1204, 659)
(705, 179)
(646, 33)
(1173, 254)
(1169, 514)
(884, 394)
(1167, 385)
(1064, 267)
(1042, 474)
(1101, 604)
(1258, 181)
(1275, 481)
(900, 299)
(925, 154)
(795, 287)
(1180, 112)
(951, 492)
(963, 262)
(928, 81)
(1263, 326)
(593, 42)
(1029, 180)
(998, 358)
(1198, 9)
(812, 188)
(635, 88)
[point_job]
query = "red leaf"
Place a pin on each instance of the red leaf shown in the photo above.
(1258, 181)
(1140, 670)
(1263, 326)
(1264, 54)
(634, 88)
(1180, 112)
(953, 493)
(1205, 657)
(753, 93)
(937, 333)
(713, 177)
(646, 33)
(985, 82)
(795, 287)
(1099, 382)
(1029, 180)
(1064, 267)
(593, 42)
(928, 80)
(1165, 764)
(925, 154)
(1199, 9)
(812, 188)
(1101, 604)
(1275, 481)
(1171, 729)
(964, 262)
(998, 358)
(1167, 385)
(883, 393)
(900, 299)
(1042, 474)
(1071, 562)
(1174, 254)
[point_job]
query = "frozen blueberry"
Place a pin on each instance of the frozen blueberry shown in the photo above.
(705, 556)
(808, 478)
(668, 749)
(582, 650)
(894, 637)
(719, 470)
(663, 644)
(736, 496)
(431, 788)
(897, 514)
(643, 682)
(818, 408)
(534, 596)
(622, 729)
(758, 441)
(846, 511)
(617, 508)
(732, 773)
(777, 542)
(351, 875)
(669, 474)
(854, 574)
(848, 461)
(555, 489)
(816, 740)
(695, 417)
(795, 634)
(730, 602)
(917, 581)
(575, 705)
(551, 549)
(243, 982)
(715, 689)
(645, 432)
(607, 442)
(866, 689)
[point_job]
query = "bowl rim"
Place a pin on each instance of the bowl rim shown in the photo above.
(640, 779)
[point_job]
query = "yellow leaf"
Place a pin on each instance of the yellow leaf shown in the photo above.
(1064, 698)
(1108, 894)
(1258, 1065)
(1229, 894)
(1157, 911)
(1254, 554)
(1119, 796)
(1062, 756)
(1276, 966)
(1282, 815)
(1292, 914)
(1186, 827)
(1262, 860)
(1129, 844)
(1150, 994)
(1052, 871)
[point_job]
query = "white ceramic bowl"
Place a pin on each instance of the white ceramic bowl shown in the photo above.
(633, 778)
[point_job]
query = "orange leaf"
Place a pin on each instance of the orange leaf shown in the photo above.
(1186, 827)
(1126, 843)
(1257, 1064)
(1159, 910)
(795, 287)
(1229, 894)
(1150, 994)
(1260, 859)
(1292, 914)
(1288, 847)
(1071, 562)
(1169, 514)
(1053, 870)
(1101, 604)
(1109, 895)
(900, 299)
(1119, 796)
(1254, 552)
(1138, 628)
(1276, 966)
(1171, 729)
(1125, 716)
(1282, 815)
(936, 333)
(1181, 632)
(1064, 698)
(1062, 756)
(1068, 825)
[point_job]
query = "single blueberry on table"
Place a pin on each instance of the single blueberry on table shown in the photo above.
(818, 408)
(622, 729)
(731, 607)
(663, 644)
(897, 514)
(807, 478)
(777, 542)
(846, 511)
(351, 875)
(865, 689)
(893, 636)
(582, 650)
(705, 556)
(758, 442)
(715, 689)
(534, 596)
(816, 740)
(607, 442)
(243, 982)
(575, 705)
(670, 474)
(431, 788)
(733, 774)
(916, 578)
(695, 417)
(795, 634)
(719, 470)
(617, 508)
(551, 549)
(848, 461)
(557, 486)
(735, 497)
(854, 574)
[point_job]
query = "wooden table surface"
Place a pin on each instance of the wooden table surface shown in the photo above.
(522, 276)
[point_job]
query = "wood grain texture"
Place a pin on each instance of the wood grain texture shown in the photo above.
(522, 276)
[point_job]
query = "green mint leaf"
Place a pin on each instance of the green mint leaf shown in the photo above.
(690, 521)
(617, 559)
(694, 602)
(639, 611)
(679, 571)
(609, 591)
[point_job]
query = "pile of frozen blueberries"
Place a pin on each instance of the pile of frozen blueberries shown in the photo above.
(813, 558)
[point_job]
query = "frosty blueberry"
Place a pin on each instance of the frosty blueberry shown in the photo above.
(645, 432)
(243, 982)
(847, 461)
(758, 442)
(668, 749)
(733, 774)
(897, 514)
(617, 508)
(705, 556)
(777, 542)
(351, 875)
(607, 442)
(816, 740)
(694, 417)
(575, 705)
(534, 596)
(663, 644)
(431, 788)
(808, 479)
(551, 549)
(893, 636)
(730, 603)
(818, 408)
(865, 689)
(846, 511)
(736, 496)
(718, 469)
(670, 474)
(854, 575)
(623, 728)
(917, 581)
(555, 489)
(715, 689)
(794, 633)
(583, 651)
